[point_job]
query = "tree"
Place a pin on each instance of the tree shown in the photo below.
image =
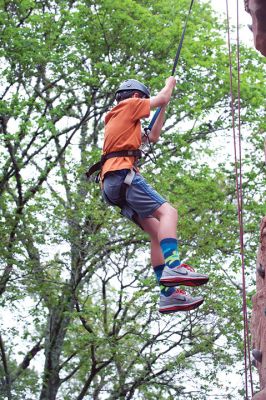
(80, 271)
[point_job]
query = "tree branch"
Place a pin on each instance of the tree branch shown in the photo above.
(7, 382)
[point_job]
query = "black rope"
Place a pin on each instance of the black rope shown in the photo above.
(157, 112)
(181, 40)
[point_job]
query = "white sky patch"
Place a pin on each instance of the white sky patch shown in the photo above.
(245, 33)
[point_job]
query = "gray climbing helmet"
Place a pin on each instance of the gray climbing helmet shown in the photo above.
(133, 84)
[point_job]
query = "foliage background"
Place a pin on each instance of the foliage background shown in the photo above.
(75, 277)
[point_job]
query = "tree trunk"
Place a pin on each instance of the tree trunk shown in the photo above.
(57, 327)
(258, 319)
(256, 8)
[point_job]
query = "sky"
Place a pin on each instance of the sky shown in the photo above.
(245, 33)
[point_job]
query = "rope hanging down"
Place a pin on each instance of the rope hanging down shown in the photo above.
(239, 193)
(157, 112)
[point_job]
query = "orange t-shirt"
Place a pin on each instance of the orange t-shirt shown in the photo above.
(123, 132)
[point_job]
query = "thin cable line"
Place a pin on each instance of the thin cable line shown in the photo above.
(239, 191)
(241, 204)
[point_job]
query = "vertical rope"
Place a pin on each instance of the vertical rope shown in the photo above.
(157, 112)
(241, 224)
(239, 192)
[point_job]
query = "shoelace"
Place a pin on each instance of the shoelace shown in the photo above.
(173, 258)
(180, 291)
(187, 267)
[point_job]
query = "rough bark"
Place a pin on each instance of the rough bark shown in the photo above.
(57, 327)
(258, 320)
(257, 10)
(260, 396)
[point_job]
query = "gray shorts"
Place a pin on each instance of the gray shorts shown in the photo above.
(141, 199)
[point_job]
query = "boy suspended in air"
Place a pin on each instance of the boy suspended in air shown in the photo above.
(123, 186)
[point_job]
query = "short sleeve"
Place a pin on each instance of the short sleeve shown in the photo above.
(140, 108)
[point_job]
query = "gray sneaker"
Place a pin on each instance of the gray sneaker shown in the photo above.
(184, 274)
(178, 301)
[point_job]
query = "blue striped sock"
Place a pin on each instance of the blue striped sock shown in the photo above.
(166, 291)
(169, 248)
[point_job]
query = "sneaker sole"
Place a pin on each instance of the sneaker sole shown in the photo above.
(177, 280)
(187, 307)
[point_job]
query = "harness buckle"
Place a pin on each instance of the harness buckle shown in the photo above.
(129, 177)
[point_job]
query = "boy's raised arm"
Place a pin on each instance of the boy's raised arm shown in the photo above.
(163, 97)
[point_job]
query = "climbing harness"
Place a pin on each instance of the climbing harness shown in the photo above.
(239, 193)
(129, 177)
(123, 153)
(123, 189)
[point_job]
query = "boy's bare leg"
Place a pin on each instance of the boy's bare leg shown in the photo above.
(162, 230)
(151, 226)
(171, 299)
(167, 216)
(162, 226)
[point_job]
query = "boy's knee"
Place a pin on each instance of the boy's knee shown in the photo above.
(172, 211)
(167, 209)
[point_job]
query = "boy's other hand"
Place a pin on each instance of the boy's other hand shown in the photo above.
(170, 81)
